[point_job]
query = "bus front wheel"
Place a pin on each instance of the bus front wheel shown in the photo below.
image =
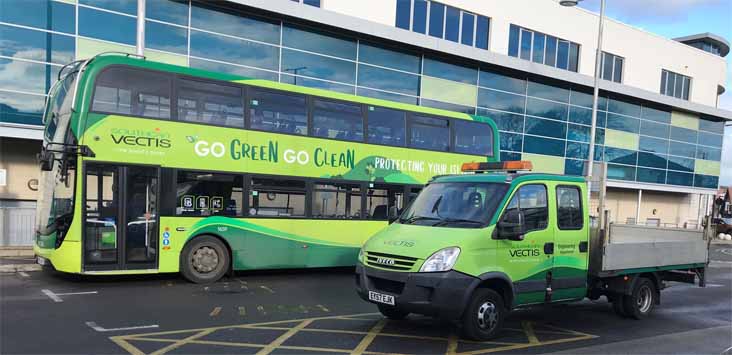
(205, 259)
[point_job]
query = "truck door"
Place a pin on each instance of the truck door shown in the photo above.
(525, 261)
(569, 271)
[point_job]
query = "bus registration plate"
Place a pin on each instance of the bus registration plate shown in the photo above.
(381, 298)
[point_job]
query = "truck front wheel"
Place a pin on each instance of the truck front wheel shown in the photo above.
(483, 318)
(640, 302)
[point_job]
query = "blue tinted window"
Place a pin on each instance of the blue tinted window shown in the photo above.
(21, 108)
(26, 76)
(450, 71)
(32, 44)
(501, 100)
(386, 96)
(513, 41)
(624, 108)
(619, 172)
(337, 120)
(318, 84)
(501, 82)
(674, 178)
(682, 149)
(706, 181)
(452, 24)
(563, 55)
(388, 58)
(548, 109)
(318, 66)
(173, 11)
(389, 80)
(437, 18)
(708, 153)
(525, 48)
(620, 156)
(683, 134)
(538, 53)
(508, 156)
(679, 163)
(429, 133)
(164, 37)
(129, 7)
(659, 130)
(45, 14)
(580, 98)
(577, 150)
(580, 115)
(546, 128)
(235, 24)
(547, 146)
(550, 58)
(574, 56)
(403, 13)
(232, 50)
(652, 160)
(107, 26)
(600, 136)
(318, 43)
(468, 30)
(386, 126)
(511, 141)
(711, 126)
(233, 69)
(711, 139)
(656, 115)
(574, 167)
(649, 144)
(419, 21)
(315, 3)
(622, 123)
(578, 133)
(481, 32)
(599, 153)
(651, 175)
(447, 106)
(278, 112)
(548, 92)
(504, 120)
(472, 138)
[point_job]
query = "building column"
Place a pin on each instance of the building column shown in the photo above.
(638, 207)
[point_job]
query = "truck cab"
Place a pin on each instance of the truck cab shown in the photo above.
(474, 246)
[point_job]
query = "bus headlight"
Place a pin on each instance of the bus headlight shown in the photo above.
(442, 260)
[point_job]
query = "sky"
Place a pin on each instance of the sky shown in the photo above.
(678, 18)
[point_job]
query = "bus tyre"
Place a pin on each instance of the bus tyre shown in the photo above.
(483, 317)
(640, 302)
(204, 260)
(392, 312)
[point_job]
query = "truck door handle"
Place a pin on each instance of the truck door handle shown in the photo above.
(583, 247)
(548, 248)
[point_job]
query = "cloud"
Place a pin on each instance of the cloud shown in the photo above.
(651, 11)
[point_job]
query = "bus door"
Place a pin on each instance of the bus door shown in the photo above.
(120, 217)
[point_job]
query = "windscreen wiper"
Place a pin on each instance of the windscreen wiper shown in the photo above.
(413, 219)
(445, 221)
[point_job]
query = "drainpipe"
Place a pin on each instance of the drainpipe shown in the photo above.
(140, 50)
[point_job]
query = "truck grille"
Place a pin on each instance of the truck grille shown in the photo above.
(389, 261)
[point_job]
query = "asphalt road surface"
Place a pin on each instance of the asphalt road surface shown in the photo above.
(317, 311)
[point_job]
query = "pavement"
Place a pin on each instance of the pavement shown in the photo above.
(317, 311)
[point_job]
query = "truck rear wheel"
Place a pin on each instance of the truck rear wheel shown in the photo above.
(392, 312)
(483, 317)
(619, 306)
(640, 302)
(204, 259)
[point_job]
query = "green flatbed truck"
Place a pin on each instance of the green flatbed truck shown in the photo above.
(472, 247)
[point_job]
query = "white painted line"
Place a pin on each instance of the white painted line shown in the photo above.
(77, 293)
(24, 274)
(52, 295)
(94, 326)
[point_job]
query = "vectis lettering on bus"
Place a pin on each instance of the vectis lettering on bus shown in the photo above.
(141, 137)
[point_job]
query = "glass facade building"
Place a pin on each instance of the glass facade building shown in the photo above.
(543, 120)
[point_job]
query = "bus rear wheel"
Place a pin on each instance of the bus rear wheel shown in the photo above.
(204, 260)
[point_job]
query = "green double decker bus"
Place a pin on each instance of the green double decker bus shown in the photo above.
(151, 168)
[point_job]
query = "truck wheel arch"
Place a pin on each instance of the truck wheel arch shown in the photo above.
(498, 281)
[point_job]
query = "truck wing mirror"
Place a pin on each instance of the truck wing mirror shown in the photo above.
(393, 214)
(511, 226)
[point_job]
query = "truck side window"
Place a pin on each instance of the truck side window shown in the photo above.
(532, 201)
(569, 208)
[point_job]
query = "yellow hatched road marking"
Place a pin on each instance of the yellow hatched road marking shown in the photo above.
(282, 338)
(215, 312)
(369, 338)
(182, 342)
(529, 330)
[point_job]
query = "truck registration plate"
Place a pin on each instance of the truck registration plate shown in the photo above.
(381, 298)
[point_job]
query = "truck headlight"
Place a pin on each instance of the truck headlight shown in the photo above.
(442, 260)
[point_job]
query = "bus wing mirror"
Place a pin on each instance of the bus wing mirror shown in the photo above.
(511, 226)
(393, 214)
